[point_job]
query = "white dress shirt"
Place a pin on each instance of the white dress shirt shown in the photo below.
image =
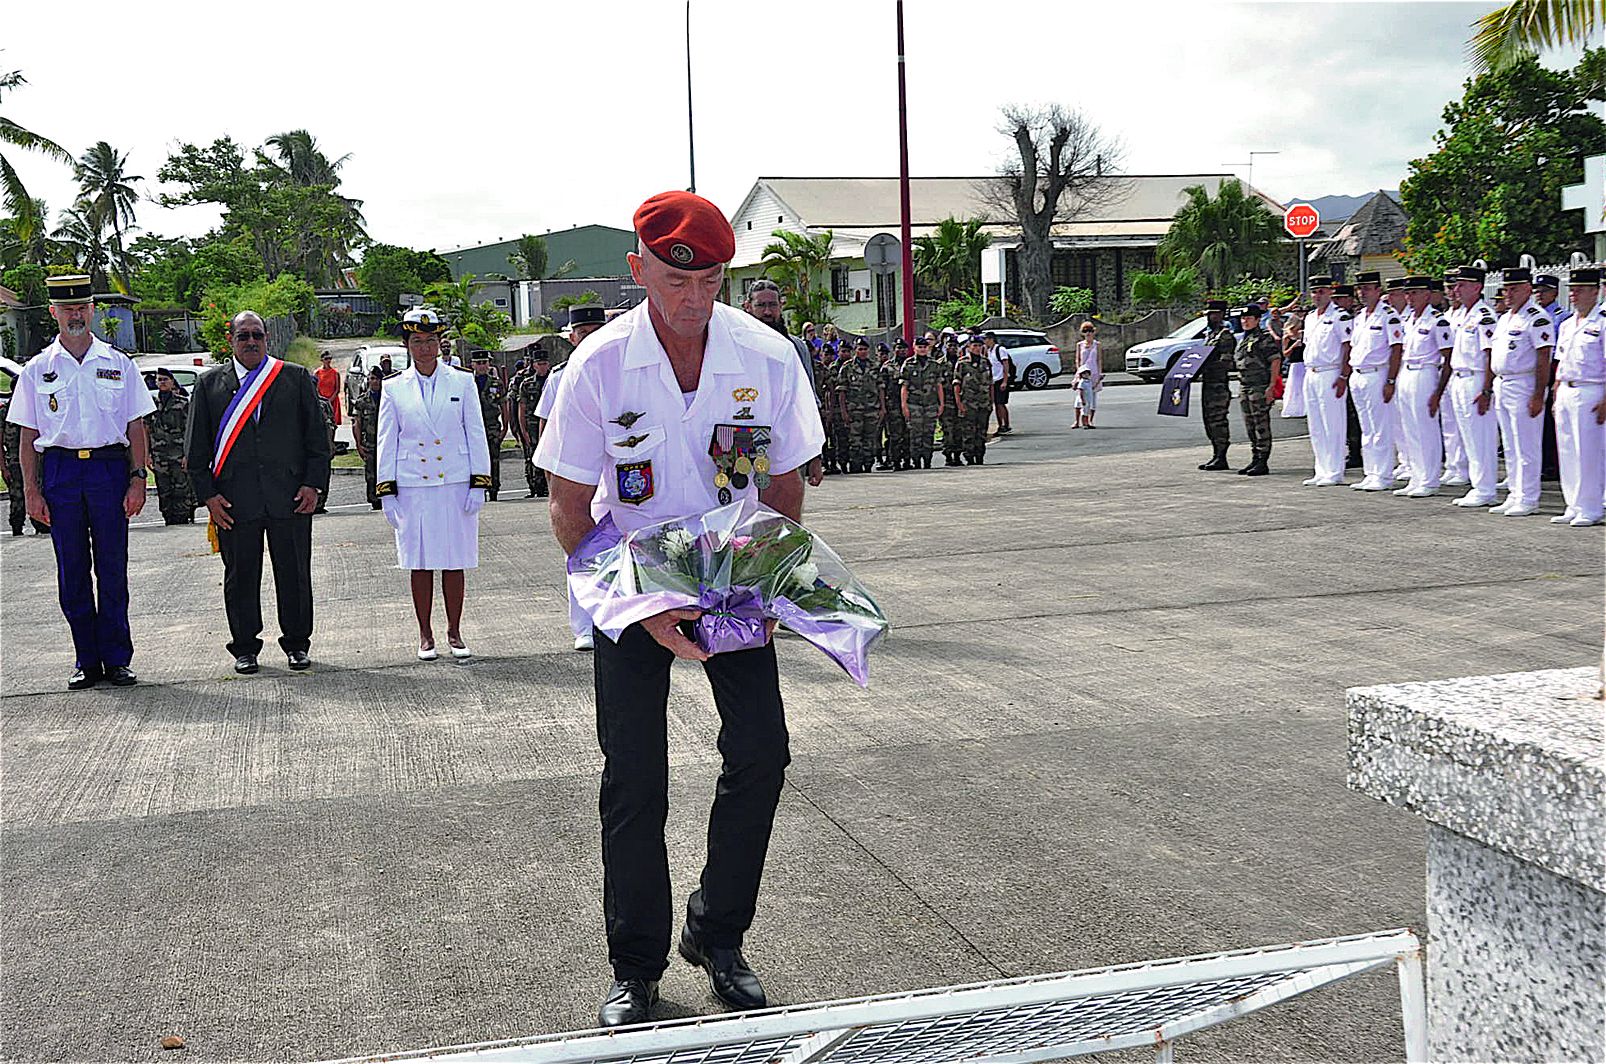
(1473, 336)
(79, 404)
(1426, 335)
(1375, 333)
(1581, 354)
(1518, 338)
(1325, 336)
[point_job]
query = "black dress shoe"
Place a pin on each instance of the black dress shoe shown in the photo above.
(729, 977)
(83, 678)
(122, 676)
(298, 659)
(245, 664)
(1257, 468)
(628, 1001)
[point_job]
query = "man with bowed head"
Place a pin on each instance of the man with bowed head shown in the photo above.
(677, 407)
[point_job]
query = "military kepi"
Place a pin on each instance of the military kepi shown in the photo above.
(1368, 277)
(590, 314)
(1516, 275)
(1469, 273)
(1321, 280)
(1216, 304)
(685, 230)
(1584, 276)
(69, 289)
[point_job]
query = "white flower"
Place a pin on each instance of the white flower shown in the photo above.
(678, 543)
(805, 574)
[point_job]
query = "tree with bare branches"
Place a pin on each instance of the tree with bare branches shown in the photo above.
(1066, 167)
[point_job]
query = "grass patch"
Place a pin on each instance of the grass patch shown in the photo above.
(303, 352)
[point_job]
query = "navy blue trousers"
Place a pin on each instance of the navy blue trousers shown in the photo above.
(90, 533)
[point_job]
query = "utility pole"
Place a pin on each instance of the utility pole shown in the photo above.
(903, 195)
(691, 140)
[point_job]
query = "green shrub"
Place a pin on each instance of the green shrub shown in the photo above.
(284, 296)
(1068, 300)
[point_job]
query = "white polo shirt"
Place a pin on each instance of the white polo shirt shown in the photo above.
(1325, 336)
(620, 421)
(1518, 337)
(1375, 334)
(1582, 356)
(1426, 335)
(1473, 336)
(995, 358)
(79, 404)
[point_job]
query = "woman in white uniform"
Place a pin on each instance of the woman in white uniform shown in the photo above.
(433, 469)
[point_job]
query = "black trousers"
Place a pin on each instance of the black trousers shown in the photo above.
(290, 545)
(632, 683)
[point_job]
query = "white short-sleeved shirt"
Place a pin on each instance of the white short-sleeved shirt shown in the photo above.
(1375, 334)
(79, 404)
(1427, 335)
(1518, 337)
(1581, 352)
(549, 394)
(620, 421)
(995, 358)
(1325, 336)
(1473, 330)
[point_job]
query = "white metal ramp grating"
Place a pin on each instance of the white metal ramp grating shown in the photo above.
(1040, 1018)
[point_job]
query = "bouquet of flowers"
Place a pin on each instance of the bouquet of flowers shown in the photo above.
(740, 565)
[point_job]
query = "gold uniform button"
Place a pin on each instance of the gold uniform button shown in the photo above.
(441, 475)
(437, 443)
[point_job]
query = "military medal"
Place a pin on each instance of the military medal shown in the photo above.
(721, 480)
(724, 496)
(761, 464)
(628, 418)
(761, 481)
(53, 405)
(744, 465)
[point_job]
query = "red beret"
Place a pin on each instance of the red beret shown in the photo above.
(685, 230)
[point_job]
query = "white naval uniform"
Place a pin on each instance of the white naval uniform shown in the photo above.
(432, 448)
(1427, 343)
(1455, 454)
(1580, 387)
(1472, 336)
(658, 465)
(1326, 335)
(1375, 334)
(1519, 335)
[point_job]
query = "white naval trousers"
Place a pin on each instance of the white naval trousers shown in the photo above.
(1294, 391)
(1521, 436)
(1478, 432)
(579, 619)
(1326, 417)
(1421, 439)
(1377, 424)
(1581, 448)
(1455, 453)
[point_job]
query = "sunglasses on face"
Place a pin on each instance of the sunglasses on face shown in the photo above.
(251, 334)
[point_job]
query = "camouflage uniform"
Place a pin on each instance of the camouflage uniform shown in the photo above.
(1215, 397)
(825, 395)
(365, 412)
(949, 419)
(840, 441)
(1254, 356)
(491, 396)
(13, 449)
(164, 427)
(896, 455)
(529, 393)
(859, 384)
(923, 375)
(328, 409)
(973, 376)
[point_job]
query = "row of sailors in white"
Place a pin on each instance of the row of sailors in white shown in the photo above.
(1490, 385)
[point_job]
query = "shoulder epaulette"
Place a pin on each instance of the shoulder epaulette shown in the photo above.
(1345, 315)
(1532, 309)
(1394, 321)
(1444, 323)
(1542, 321)
(1488, 319)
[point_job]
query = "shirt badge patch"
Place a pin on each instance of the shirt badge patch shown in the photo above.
(745, 395)
(109, 374)
(48, 378)
(633, 441)
(628, 418)
(744, 414)
(634, 481)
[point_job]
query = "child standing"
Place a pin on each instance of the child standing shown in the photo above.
(1089, 377)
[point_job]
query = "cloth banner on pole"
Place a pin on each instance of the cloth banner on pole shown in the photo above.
(1177, 389)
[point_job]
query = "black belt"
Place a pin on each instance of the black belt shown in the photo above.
(112, 450)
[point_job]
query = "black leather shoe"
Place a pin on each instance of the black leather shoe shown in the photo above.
(628, 1001)
(298, 659)
(122, 676)
(83, 679)
(1218, 462)
(1257, 468)
(245, 664)
(729, 977)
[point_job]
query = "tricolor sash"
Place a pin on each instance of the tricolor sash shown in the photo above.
(245, 403)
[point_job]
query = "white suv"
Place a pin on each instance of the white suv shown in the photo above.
(1152, 359)
(1036, 361)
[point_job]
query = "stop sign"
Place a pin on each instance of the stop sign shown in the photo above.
(1301, 220)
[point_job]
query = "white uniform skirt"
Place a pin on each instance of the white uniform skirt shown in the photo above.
(433, 531)
(1294, 391)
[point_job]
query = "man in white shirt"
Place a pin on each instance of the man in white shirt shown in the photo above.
(1580, 403)
(1523, 340)
(639, 411)
(1426, 349)
(1375, 353)
(80, 406)
(1328, 332)
(1003, 369)
(1470, 385)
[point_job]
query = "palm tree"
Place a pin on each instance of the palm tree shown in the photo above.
(103, 180)
(1524, 27)
(297, 160)
(530, 260)
(1223, 238)
(793, 262)
(12, 193)
(950, 258)
(82, 233)
(1180, 285)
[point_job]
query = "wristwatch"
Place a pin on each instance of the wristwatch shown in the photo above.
(138, 473)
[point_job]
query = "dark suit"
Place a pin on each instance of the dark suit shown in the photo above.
(283, 448)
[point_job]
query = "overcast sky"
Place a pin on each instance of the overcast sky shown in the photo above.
(474, 122)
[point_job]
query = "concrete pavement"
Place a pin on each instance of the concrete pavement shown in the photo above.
(1108, 726)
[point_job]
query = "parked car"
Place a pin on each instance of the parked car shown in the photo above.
(9, 371)
(1036, 361)
(1152, 359)
(186, 369)
(368, 356)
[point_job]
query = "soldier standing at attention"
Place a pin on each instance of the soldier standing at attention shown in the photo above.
(11, 458)
(365, 430)
(896, 421)
(973, 388)
(1375, 352)
(825, 400)
(948, 409)
(531, 389)
(327, 409)
(165, 427)
(922, 391)
(1259, 357)
(1344, 298)
(491, 409)
(1215, 396)
(858, 389)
